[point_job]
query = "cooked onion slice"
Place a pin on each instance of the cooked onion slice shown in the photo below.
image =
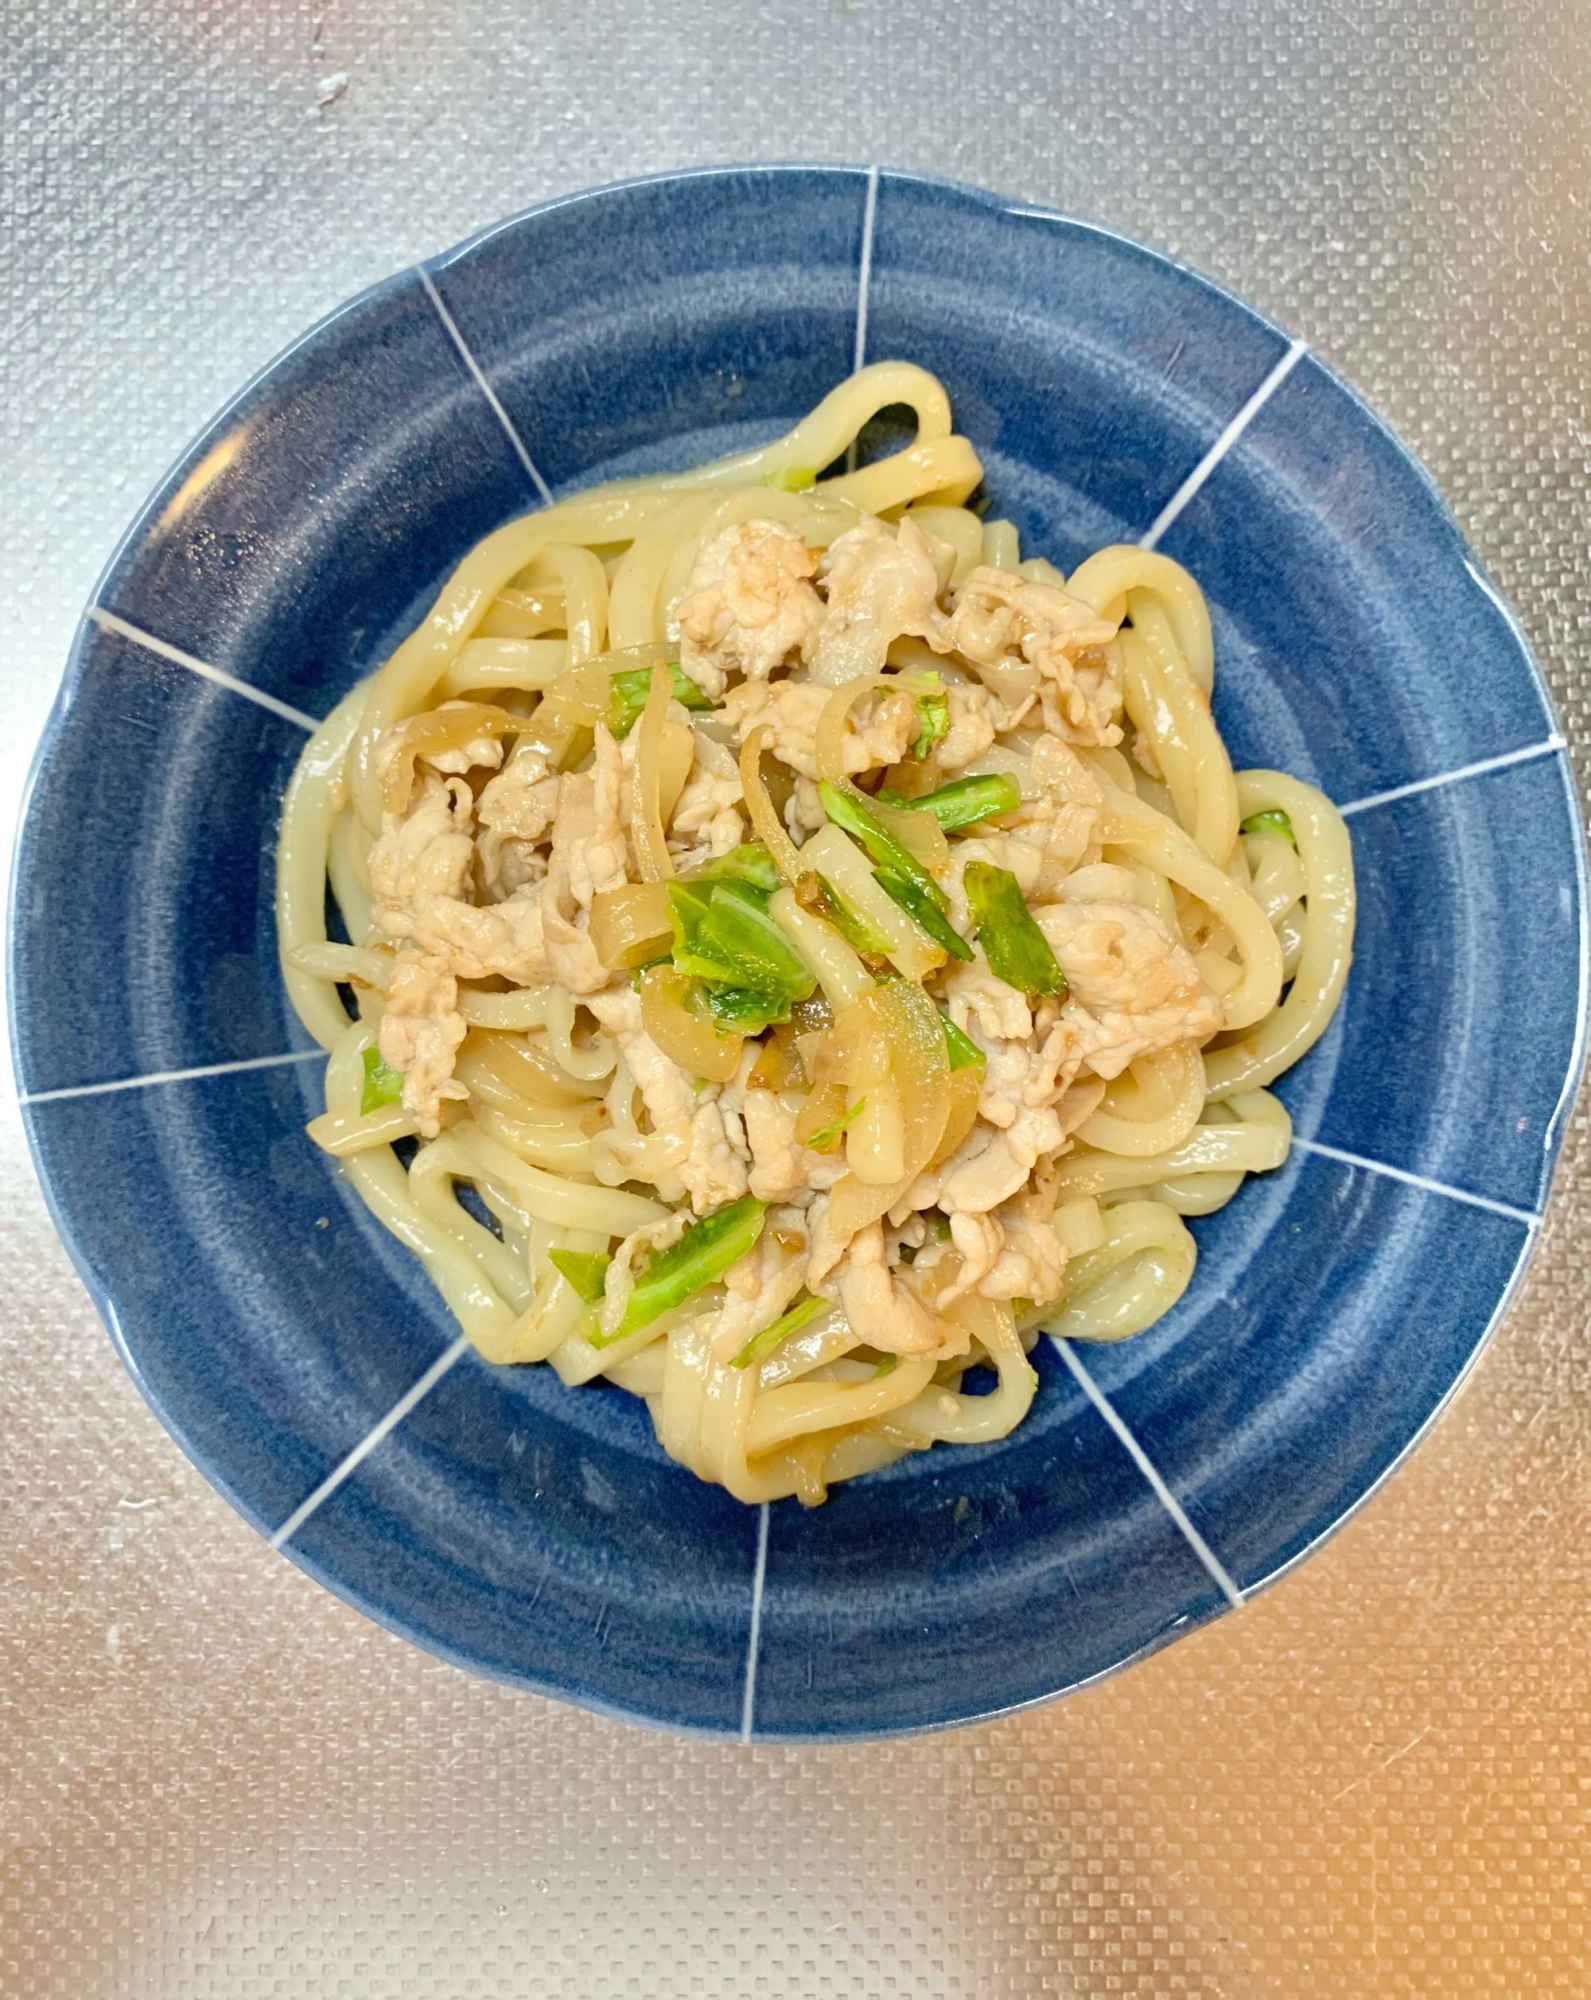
(686, 1038)
(439, 730)
(766, 823)
(630, 925)
(888, 1047)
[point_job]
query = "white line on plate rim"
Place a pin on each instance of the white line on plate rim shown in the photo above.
(1530, 1218)
(108, 621)
(169, 1076)
(759, 1579)
(864, 281)
(484, 386)
(1201, 1548)
(1224, 443)
(1532, 753)
(864, 269)
(367, 1444)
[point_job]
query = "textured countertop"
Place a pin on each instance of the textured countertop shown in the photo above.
(215, 1780)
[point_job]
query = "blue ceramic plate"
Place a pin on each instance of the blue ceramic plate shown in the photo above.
(539, 1535)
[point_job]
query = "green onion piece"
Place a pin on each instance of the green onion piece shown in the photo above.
(923, 913)
(1017, 950)
(962, 1049)
(887, 1366)
(790, 479)
(627, 693)
(723, 934)
(966, 801)
(933, 721)
(1274, 820)
(701, 1256)
(828, 1136)
(585, 1270)
(382, 1085)
(742, 1010)
(849, 809)
(761, 1345)
(750, 862)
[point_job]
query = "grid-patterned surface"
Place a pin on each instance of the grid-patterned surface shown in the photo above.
(216, 1780)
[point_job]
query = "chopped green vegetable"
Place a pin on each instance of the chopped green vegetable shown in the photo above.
(724, 937)
(382, 1085)
(627, 693)
(924, 913)
(584, 1269)
(828, 1136)
(887, 1366)
(933, 721)
(1274, 820)
(962, 1049)
(742, 1010)
(1017, 950)
(701, 1256)
(750, 862)
(691, 897)
(850, 809)
(761, 1345)
(791, 479)
(723, 933)
(964, 802)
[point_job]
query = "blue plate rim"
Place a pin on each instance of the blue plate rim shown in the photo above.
(870, 178)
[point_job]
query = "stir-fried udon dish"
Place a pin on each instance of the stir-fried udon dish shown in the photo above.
(798, 948)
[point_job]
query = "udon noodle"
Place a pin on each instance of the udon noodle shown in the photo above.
(796, 948)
